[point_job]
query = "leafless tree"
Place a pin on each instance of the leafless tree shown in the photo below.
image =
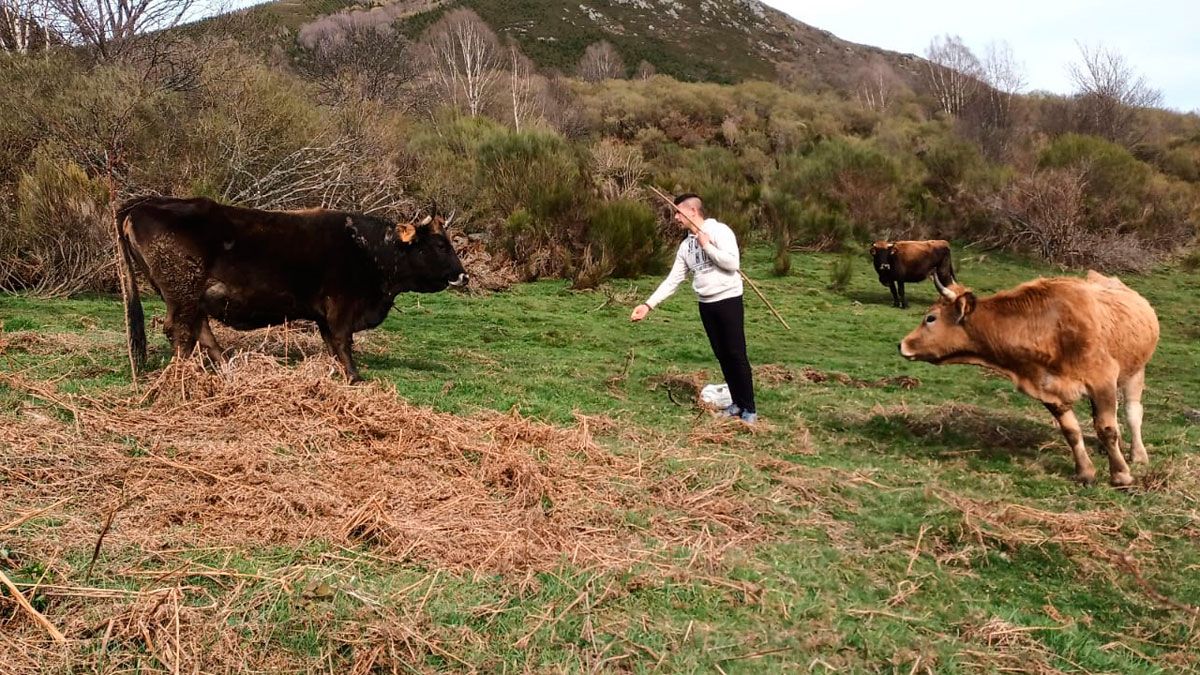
(601, 62)
(463, 57)
(109, 26)
(357, 62)
(953, 73)
(527, 99)
(878, 86)
(619, 169)
(331, 174)
(646, 70)
(1110, 93)
(25, 26)
(988, 116)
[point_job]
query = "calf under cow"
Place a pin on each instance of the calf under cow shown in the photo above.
(250, 269)
(1058, 340)
(900, 262)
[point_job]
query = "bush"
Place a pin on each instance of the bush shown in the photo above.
(626, 233)
(842, 271)
(62, 243)
(849, 189)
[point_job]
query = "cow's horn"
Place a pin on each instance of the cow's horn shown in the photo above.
(427, 220)
(937, 283)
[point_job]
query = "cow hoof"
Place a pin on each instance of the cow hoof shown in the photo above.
(1121, 479)
(1142, 458)
(1086, 478)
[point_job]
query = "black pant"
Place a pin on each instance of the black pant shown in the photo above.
(724, 323)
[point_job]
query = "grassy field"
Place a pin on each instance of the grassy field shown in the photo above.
(886, 516)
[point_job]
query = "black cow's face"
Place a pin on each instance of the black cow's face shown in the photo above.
(418, 257)
(881, 256)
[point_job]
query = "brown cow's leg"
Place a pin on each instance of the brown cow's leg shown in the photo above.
(1133, 414)
(1104, 406)
(903, 301)
(209, 342)
(1085, 472)
(895, 295)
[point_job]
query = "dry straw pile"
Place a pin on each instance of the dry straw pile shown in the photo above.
(260, 454)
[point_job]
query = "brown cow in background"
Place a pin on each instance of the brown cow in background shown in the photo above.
(897, 262)
(1058, 340)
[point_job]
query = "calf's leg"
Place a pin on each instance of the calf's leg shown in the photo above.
(1085, 472)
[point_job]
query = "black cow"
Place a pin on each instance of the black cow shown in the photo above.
(897, 262)
(249, 269)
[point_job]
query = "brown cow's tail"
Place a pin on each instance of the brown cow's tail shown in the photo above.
(945, 269)
(135, 318)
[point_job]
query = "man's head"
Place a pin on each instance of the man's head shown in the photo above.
(689, 203)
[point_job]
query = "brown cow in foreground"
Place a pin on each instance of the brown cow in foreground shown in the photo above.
(897, 262)
(1058, 340)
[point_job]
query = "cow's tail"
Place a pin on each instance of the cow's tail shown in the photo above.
(945, 269)
(135, 318)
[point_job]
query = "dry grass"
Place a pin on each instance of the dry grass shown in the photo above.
(1090, 539)
(773, 374)
(260, 454)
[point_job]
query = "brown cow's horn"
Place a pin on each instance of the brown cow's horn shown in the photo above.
(426, 220)
(937, 283)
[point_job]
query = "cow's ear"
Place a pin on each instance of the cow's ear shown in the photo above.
(964, 304)
(405, 232)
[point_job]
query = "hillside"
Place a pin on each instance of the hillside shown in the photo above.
(695, 40)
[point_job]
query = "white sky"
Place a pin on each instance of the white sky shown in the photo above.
(1159, 38)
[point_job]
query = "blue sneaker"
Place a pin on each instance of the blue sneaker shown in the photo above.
(731, 411)
(749, 417)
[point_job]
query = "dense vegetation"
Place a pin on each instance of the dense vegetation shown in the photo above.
(366, 111)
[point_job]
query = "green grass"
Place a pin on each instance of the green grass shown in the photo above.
(827, 588)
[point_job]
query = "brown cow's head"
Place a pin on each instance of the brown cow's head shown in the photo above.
(943, 330)
(411, 256)
(881, 255)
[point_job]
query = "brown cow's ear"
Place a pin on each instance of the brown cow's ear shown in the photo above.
(964, 304)
(406, 232)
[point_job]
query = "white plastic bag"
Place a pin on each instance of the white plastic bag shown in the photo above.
(716, 395)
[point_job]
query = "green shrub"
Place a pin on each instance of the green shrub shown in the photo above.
(626, 232)
(842, 270)
(532, 170)
(61, 242)
(849, 189)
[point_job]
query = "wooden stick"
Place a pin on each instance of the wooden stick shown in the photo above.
(33, 613)
(696, 230)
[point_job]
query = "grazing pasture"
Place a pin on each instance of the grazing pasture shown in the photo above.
(525, 483)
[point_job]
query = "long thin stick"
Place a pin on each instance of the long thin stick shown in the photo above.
(36, 615)
(696, 230)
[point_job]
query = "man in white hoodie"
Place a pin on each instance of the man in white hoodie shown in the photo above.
(713, 259)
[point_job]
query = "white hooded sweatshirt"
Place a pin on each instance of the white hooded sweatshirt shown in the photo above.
(714, 267)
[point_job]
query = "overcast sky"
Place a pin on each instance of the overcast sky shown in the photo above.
(1159, 38)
